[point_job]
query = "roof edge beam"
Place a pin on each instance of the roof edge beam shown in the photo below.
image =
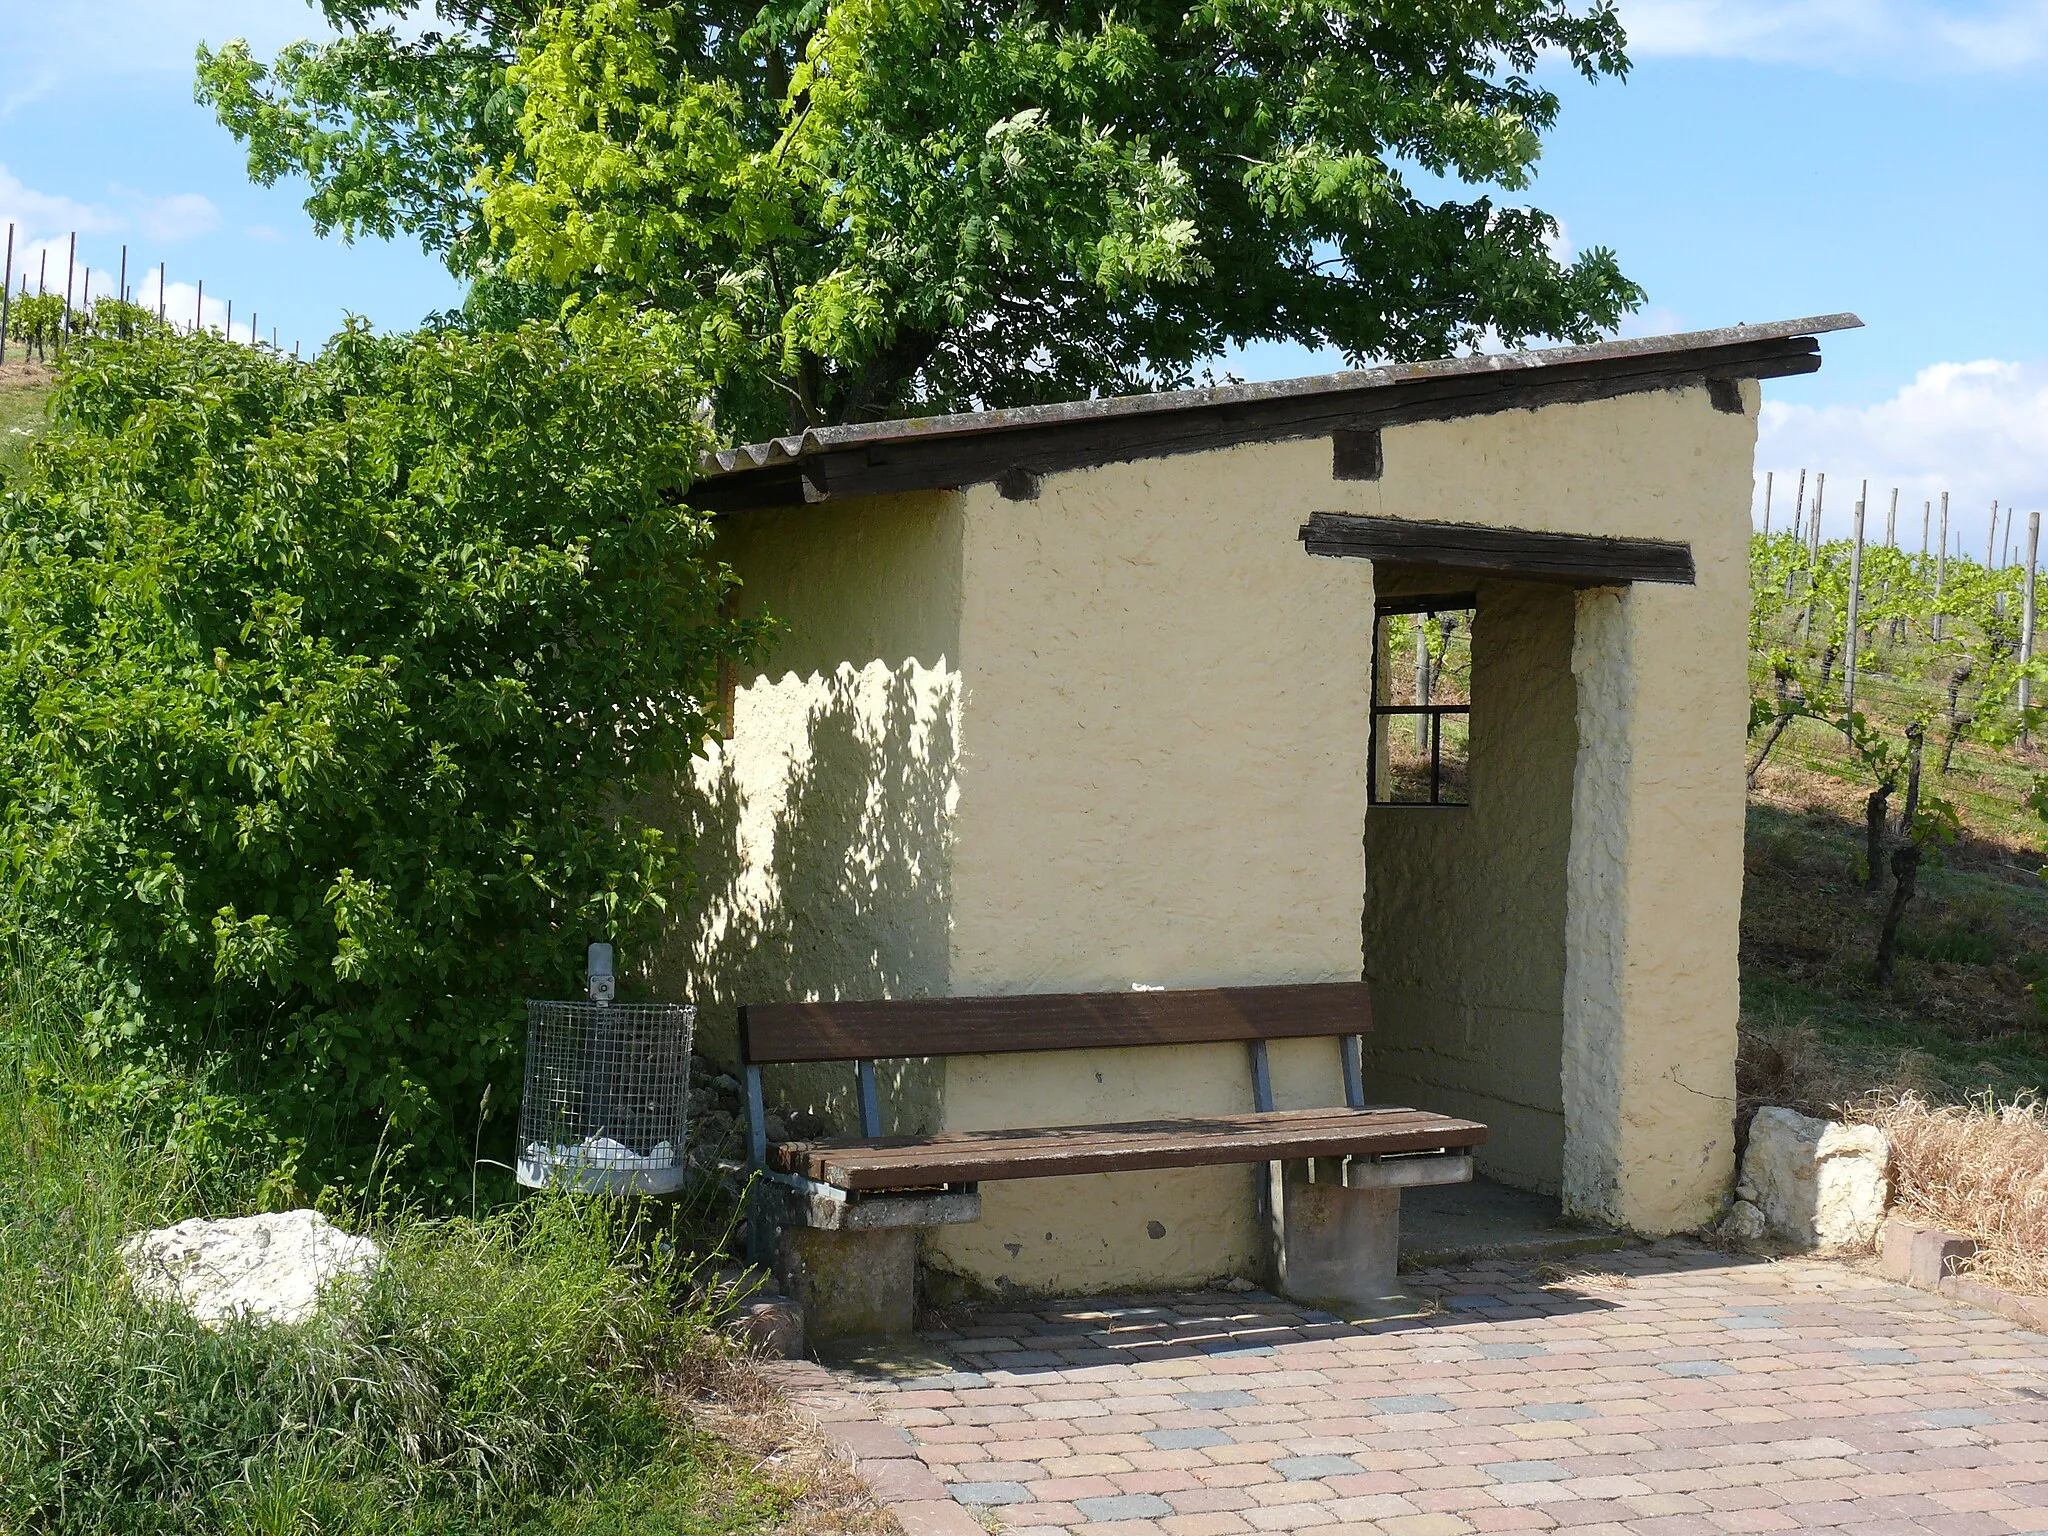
(962, 459)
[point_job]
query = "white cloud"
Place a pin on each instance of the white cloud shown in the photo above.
(1976, 430)
(43, 224)
(1900, 37)
(54, 45)
(178, 216)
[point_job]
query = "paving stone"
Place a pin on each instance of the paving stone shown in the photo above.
(989, 1493)
(1302, 1468)
(1705, 1395)
(1186, 1439)
(1229, 1398)
(1124, 1506)
(1418, 1403)
(1525, 1471)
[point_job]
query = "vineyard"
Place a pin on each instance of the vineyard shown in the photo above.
(1895, 922)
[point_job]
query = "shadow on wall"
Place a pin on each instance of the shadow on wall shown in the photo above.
(822, 865)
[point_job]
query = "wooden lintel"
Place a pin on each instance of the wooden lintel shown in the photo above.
(1577, 559)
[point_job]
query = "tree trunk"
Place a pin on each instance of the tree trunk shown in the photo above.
(1873, 836)
(1906, 873)
(1905, 860)
(1757, 763)
(1956, 718)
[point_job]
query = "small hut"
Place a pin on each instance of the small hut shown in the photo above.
(1130, 692)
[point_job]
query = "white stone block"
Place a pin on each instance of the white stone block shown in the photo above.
(271, 1268)
(1812, 1183)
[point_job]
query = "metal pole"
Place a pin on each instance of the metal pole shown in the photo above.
(1941, 566)
(1820, 490)
(1926, 513)
(1991, 542)
(1422, 689)
(1767, 503)
(1855, 610)
(7, 294)
(2027, 620)
(163, 275)
(199, 307)
(1891, 522)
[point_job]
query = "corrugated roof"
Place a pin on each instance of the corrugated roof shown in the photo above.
(1454, 386)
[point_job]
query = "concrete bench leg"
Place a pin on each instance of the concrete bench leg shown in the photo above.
(1338, 1237)
(851, 1283)
(849, 1262)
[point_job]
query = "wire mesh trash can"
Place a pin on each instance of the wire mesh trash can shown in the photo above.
(607, 1089)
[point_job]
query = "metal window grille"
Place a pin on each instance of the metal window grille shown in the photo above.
(607, 1090)
(1423, 776)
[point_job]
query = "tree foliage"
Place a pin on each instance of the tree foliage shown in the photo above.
(871, 207)
(323, 687)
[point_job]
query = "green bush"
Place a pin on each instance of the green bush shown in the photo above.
(491, 1375)
(322, 688)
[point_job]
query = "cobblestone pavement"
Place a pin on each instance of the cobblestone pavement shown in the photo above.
(1662, 1391)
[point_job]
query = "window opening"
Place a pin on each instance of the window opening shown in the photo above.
(1422, 701)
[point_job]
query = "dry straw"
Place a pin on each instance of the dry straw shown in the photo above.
(1980, 1169)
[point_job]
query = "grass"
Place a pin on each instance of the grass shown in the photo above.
(512, 1372)
(1965, 1013)
(24, 393)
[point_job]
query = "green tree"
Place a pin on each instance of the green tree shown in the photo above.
(323, 688)
(866, 207)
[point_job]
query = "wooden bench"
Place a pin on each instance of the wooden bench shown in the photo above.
(839, 1218)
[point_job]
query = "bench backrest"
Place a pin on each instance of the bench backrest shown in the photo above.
(973, 1026)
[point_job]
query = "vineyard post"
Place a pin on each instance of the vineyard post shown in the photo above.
(1855, 610)
(1926, 513)
(1767, 473)
(199, 306)
(163, 274)
(1799, 529)
(1820, 486)
(229, 332)
(1891, 522)
(121, 292)
(6, 293)
(70, 265)
(1941, 566)
(2027, 621)
(2005, 541)
(1991, 541)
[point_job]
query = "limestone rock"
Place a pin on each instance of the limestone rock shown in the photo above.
(1744, 1222)
(1813, 1183)
(271, 1268)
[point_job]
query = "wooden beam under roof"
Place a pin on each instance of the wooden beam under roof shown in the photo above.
(1575, 559)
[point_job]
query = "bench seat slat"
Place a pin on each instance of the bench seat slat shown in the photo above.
(962, 1157)
(974, 1026)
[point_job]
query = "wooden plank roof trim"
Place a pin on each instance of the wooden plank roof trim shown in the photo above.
(924, 453)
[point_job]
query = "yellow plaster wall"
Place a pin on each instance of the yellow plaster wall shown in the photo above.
(821, 836)
(1465, 906)
(1162, 760)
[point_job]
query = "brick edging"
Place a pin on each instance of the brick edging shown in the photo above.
(1931, 1258)
(881, 1455)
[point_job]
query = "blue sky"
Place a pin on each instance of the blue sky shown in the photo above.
(1763, 160)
